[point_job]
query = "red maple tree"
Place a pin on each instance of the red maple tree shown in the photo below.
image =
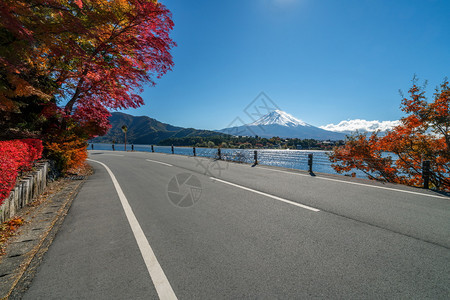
(76, 60)
(96, 55)
(423, 135)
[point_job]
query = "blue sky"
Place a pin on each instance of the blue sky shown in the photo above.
(323, 61)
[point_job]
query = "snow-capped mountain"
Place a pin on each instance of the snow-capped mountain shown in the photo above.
(279, 117)
(281, 124)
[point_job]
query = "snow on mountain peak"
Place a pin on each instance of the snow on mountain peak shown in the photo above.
(279, 117)
(361, 125)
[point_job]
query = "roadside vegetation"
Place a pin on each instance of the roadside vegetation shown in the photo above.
(63, 65)
(422, 137)
(16, 157)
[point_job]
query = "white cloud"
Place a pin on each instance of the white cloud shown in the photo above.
(361, 125)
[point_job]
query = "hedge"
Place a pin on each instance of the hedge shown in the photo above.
(16, 156)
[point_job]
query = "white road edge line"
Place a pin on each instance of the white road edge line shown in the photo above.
(158, 162)
(361, 184)
(268, 195)
(160, 281)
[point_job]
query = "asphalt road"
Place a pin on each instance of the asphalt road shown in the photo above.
(174, 226)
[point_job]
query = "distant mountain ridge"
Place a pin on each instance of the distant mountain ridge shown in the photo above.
(281, 124)
(146, 130)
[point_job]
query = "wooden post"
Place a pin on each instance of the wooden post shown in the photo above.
(193, 149)
(125, 129)
(153, 149)
(310, 162)
(255, 156)
(426, 174)
(219, 154)
(172, 149)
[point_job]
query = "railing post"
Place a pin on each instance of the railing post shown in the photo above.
(113, 147)
(153, 149)
(219, 154)
(255, 156)
(426, 174)
(193, 150)
(132, 147)
(310, 162)
(172, 149)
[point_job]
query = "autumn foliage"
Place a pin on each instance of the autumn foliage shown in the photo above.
(16, 156)
(73, 61)
(8, 229)
(90, 51)
(423, 135)
(67, 148)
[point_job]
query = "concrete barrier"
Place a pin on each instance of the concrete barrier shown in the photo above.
(25, 191)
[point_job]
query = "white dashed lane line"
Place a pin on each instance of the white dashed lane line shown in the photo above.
(158, 162)
(268, 195)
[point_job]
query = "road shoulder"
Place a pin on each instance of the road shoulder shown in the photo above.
(25, 250)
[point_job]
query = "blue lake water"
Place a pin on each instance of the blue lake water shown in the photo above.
(293, 159)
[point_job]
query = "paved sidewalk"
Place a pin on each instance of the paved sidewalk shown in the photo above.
(26, 249)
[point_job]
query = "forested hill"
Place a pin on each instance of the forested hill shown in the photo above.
(145, 130)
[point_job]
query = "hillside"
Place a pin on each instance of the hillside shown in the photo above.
(145, 130)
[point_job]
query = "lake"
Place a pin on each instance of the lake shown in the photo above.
(292, 159)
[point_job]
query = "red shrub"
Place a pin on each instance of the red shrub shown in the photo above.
(15, 156)
(36, 148)
(7, 176)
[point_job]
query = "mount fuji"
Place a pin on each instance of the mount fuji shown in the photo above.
(281, 124)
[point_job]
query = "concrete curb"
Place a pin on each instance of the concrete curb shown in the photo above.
(26, 250)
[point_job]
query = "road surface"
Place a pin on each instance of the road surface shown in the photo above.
(152, 225)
